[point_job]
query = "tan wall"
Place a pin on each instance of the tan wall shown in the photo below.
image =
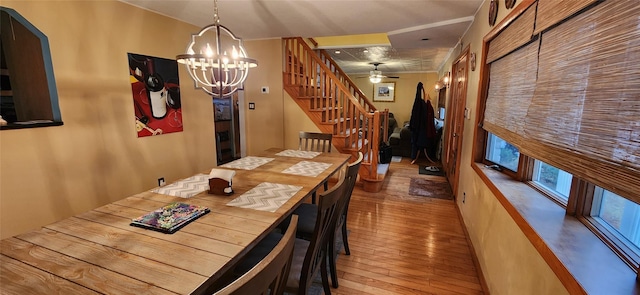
(96, 157)
(295, 121)
(265, 124)
(405, 92)
(277, 119)
(509, 262)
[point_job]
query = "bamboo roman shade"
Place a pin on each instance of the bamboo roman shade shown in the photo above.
(510, 95)
(554, 11)
(584, 113)
(517, 34)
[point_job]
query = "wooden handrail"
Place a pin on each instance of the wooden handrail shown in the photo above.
(345, 79)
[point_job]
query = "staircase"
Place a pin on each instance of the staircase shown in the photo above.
(337, 106)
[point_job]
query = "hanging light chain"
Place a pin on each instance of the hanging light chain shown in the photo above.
(216, 17)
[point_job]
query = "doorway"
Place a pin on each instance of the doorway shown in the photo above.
(455, 119)
(227, 128)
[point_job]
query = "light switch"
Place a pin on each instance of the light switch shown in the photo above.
(252, 106)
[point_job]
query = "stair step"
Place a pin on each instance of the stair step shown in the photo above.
(374, 185)
(335, 121)
(356, 146)
(310, 97)
(308, 86)
(325, 109)
(383, 168)
(347, 133)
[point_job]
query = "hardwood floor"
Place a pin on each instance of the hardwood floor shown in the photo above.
(404, 244)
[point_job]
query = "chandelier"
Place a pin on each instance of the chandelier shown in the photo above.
(216, 60)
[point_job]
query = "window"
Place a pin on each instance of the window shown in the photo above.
(554, 137)
(552, 179)
(618, 214)
(616, 220)
(502, 153)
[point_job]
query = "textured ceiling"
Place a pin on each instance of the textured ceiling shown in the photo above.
(391, 59)
(406, 23)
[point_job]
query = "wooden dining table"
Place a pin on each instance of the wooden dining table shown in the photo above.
(99, 252)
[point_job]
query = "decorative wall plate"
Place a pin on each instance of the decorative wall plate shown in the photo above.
(493, 12)
(509, 3)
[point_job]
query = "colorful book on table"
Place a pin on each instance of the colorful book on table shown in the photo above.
(170, 218)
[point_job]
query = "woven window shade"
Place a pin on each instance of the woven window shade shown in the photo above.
(518, 33)
(586, 106)
(584, 116)
(554, 11)
(510, 95)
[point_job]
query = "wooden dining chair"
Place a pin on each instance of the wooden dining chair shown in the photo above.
(270, 275)
(309, 256)
(308, 214)
(315, 142)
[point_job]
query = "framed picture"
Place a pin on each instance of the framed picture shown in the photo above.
(155, 88)
(384, 91)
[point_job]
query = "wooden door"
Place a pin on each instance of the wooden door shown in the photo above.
(455, 119)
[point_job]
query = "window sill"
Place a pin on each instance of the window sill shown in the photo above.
(582, 262)
(30, 124)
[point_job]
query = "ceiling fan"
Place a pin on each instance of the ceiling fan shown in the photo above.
(376, 75)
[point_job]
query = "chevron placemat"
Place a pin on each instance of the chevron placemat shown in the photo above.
(248, 163)
(307, 168)
(266, 196)
(185, 188)
(298, 154)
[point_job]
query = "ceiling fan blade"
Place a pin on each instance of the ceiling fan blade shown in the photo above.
(393, 77)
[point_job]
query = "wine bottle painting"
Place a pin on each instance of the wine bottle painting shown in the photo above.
(156, 94)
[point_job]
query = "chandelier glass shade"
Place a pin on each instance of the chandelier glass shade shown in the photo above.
(216, 60)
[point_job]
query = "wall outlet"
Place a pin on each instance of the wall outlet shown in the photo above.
(252, 106)
(161, 181)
